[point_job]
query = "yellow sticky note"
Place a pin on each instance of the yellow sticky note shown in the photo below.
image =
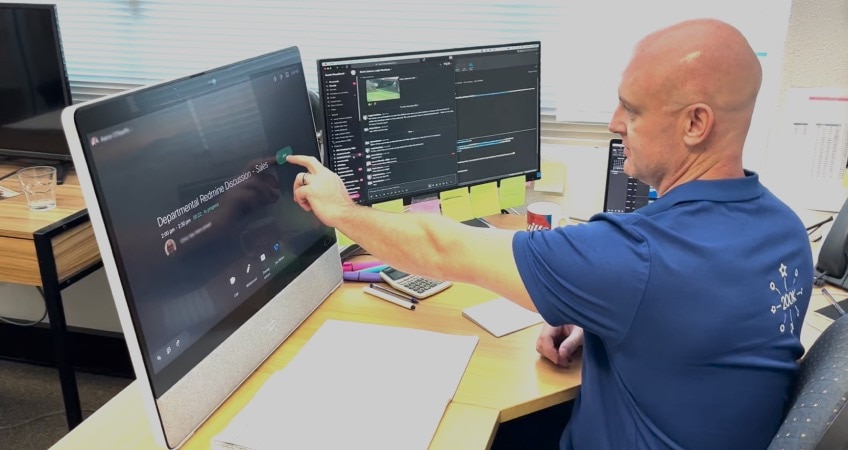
(845, 179)
(513, 192)
(343, 240)
(484, 200)
(553, 178)
(390, 206)
(456, 204)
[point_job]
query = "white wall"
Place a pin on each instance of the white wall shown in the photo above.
(816, 55)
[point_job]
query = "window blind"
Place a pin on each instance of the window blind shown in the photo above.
(113, 45)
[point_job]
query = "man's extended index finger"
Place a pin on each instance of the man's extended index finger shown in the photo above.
(309, 162)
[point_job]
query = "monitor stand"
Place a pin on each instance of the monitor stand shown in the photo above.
(477, 223)
(350, 251)
(62, 168)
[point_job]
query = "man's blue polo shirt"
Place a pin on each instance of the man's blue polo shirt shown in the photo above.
(692, 309)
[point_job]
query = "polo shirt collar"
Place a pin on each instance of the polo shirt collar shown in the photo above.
(722, 191)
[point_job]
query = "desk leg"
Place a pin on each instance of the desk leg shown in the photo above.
(58, 327)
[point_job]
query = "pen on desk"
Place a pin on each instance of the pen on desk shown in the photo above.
(395, 293)
(355, 266)
(388, 297)
(833, 301)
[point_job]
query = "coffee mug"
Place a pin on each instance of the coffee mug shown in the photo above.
(544, 216)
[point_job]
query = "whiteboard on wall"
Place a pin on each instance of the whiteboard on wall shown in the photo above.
(809, 152)
(606, 32)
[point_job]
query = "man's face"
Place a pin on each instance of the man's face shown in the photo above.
(647, 129)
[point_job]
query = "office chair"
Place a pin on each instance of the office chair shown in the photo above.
(818, 417)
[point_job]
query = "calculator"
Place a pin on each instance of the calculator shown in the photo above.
(414, 285)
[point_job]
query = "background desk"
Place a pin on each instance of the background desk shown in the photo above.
(50, 250)
(505, 377)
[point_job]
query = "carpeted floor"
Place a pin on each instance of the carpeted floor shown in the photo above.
(32, 416)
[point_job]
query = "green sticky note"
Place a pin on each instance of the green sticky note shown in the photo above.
(390, 206)
(456, 204)
(343, 240)
(484, 199)
(282, 153)
(512, 192)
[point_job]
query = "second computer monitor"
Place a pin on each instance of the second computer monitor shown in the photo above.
(408, 124)
(624, 193)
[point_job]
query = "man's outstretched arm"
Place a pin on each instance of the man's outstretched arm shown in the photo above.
(424, 244)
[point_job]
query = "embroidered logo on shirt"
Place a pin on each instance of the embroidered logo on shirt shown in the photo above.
(788, 299)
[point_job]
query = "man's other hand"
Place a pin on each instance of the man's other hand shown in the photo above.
(559, 344)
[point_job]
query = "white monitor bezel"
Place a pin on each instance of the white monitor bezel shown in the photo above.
(188, 403)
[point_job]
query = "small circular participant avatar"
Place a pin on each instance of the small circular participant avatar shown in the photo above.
(170, 247)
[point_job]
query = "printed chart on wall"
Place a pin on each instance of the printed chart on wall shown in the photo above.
(589, 92)
(814, 148)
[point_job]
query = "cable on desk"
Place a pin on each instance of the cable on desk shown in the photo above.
(27, 324)
(815, 227)
(7, 175)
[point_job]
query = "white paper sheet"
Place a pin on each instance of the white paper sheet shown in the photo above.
(356, 385)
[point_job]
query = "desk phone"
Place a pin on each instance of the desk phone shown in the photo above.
(414, 285)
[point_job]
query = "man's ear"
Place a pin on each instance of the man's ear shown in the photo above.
(698, 120)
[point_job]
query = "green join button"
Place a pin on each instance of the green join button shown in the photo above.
(282, 153)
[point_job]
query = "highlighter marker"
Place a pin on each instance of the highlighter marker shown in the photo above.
(375, 269)
(354, 266)
(361, 276)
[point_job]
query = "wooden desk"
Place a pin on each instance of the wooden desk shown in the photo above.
(51, 250)
(505, 377)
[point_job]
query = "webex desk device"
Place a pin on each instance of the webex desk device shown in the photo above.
(408, 124)
(624, 193)
(210, 261)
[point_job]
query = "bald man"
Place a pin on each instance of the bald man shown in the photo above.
(689, 310)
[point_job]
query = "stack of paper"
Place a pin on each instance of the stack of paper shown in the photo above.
(355, 385)
(501, 316)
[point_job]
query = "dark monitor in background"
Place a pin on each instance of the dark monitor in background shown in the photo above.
(408, 124)
(210, 261)
(33, 83)
(624, 193)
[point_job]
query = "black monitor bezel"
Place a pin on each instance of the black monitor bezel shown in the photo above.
(407, 198)
(64, 153)
(613, 142)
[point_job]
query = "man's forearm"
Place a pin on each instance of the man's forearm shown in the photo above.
(424, 244)
(416, 243)
(437, 247)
